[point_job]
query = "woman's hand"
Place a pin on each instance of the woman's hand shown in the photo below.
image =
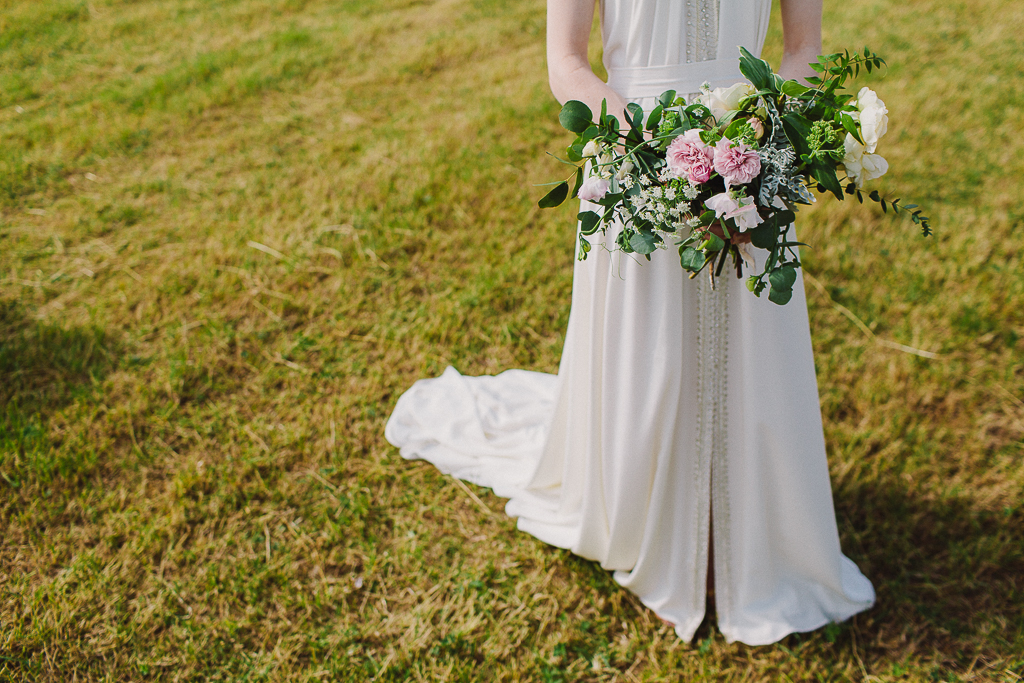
(736, 237)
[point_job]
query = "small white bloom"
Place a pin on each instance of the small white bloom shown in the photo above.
(645, 180)
(591, 149)
(624, 170)
(627, 181)
(670, 193)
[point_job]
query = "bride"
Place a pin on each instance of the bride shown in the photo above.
(680, 445)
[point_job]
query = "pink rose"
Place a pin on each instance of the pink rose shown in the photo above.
(685, 151)
(699, 172)
(593, 188)
(736, 162)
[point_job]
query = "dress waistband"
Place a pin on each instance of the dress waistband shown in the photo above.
(650, 81)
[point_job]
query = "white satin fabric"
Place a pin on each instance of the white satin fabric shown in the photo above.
(674, 404)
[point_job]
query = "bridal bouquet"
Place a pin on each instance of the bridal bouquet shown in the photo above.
(736, 160)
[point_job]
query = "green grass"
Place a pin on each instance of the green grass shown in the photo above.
(232, 232)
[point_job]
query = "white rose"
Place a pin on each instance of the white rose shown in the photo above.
(721, 101)
(871, 112)
(861, 165)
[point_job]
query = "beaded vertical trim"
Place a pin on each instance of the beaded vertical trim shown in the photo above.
(712, 431)
(701, 30)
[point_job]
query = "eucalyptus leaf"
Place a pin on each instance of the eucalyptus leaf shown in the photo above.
(575, 116)
(590, 222)
(784, 217)
(763, 236)
(783, 277)
(654, 118)
(555, 197)
(691, 259)
(713, 243)
(780, 296)
(644, 242)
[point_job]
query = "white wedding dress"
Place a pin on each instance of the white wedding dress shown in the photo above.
(674, 404)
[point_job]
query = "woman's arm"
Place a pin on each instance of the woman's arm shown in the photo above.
(801, 34)
(569, 71)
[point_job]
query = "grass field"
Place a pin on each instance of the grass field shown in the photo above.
(232, 232)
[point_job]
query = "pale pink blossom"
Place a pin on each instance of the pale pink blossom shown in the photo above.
(735, 162)
(594, 188)
(685, 151)
(722, 204)
(746, 214)
(742, 210)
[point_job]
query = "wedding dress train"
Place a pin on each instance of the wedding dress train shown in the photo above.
(674, 403)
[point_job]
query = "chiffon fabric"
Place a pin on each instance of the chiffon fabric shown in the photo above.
(675, 405)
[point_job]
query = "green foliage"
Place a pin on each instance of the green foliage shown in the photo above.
(555, 197)
(643, 242)
(575, 116)
(590, 221)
